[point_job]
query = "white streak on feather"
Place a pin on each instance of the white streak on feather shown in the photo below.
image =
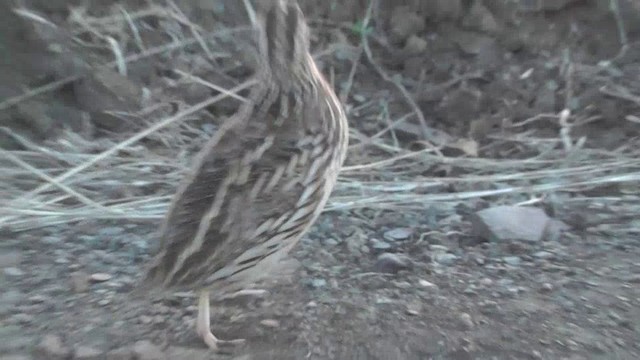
(275, 179)
(198, 240)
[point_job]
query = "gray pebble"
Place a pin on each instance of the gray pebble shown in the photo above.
(13, 272)
(398, 234)
(318, 283)
(544, 255)
(331, 242)
(445, 259)
(392, 263)
(512, 260)
(380, 245)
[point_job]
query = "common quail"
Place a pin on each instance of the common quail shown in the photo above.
(261, 181)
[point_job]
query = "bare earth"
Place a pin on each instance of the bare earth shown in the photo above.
(441, 293)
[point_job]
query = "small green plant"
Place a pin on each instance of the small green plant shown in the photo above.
(359, 28)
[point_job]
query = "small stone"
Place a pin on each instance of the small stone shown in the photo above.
(312, 304)
(13, 272)
(331, 242)
(445, 259)
(544, 255)
(318, 283)
(391, 263)
(398, 234)
(61, 261)
(359, 98)
(380, 245)
(415, 45)
(414, 309)
(466, 321)
(546, 287)
(505, 223)
(100, 277)
(51, 240)
(427, 284)
(469, 291)
(486, 282)
(438, 248)
(512, 260)
(270, 323)
(37, 299)
(146, 350)
(79, 282)
(87, 353)
(403, 285)
(52, 347)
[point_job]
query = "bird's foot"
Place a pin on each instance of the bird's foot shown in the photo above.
(216, 344)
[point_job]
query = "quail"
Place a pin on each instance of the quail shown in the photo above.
(261, 181)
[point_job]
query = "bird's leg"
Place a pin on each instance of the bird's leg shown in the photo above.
(204, 323)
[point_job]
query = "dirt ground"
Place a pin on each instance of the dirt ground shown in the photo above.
(369, 283)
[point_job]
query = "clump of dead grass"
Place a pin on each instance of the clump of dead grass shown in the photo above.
(73, 179)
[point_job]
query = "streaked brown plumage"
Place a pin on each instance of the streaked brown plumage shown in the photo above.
(261, 181)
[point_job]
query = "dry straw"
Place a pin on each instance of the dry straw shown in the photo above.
(73, 179)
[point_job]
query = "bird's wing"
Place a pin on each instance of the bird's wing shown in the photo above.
(248, 192)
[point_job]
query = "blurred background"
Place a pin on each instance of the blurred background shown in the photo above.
(488, 208)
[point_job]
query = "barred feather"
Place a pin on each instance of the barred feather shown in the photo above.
(263, 179)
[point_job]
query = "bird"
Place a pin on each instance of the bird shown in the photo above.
(261, 181)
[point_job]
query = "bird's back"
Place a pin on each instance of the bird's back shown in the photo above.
(262, 180)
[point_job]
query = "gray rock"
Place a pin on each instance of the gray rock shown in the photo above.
(392, 263)
(544, 255)
(512, 260)
(331, 242)
(466, 321)
(445, 259)
(398, 234)
(380, 245)
(510, 223)
(13, 272)
(318, 283)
